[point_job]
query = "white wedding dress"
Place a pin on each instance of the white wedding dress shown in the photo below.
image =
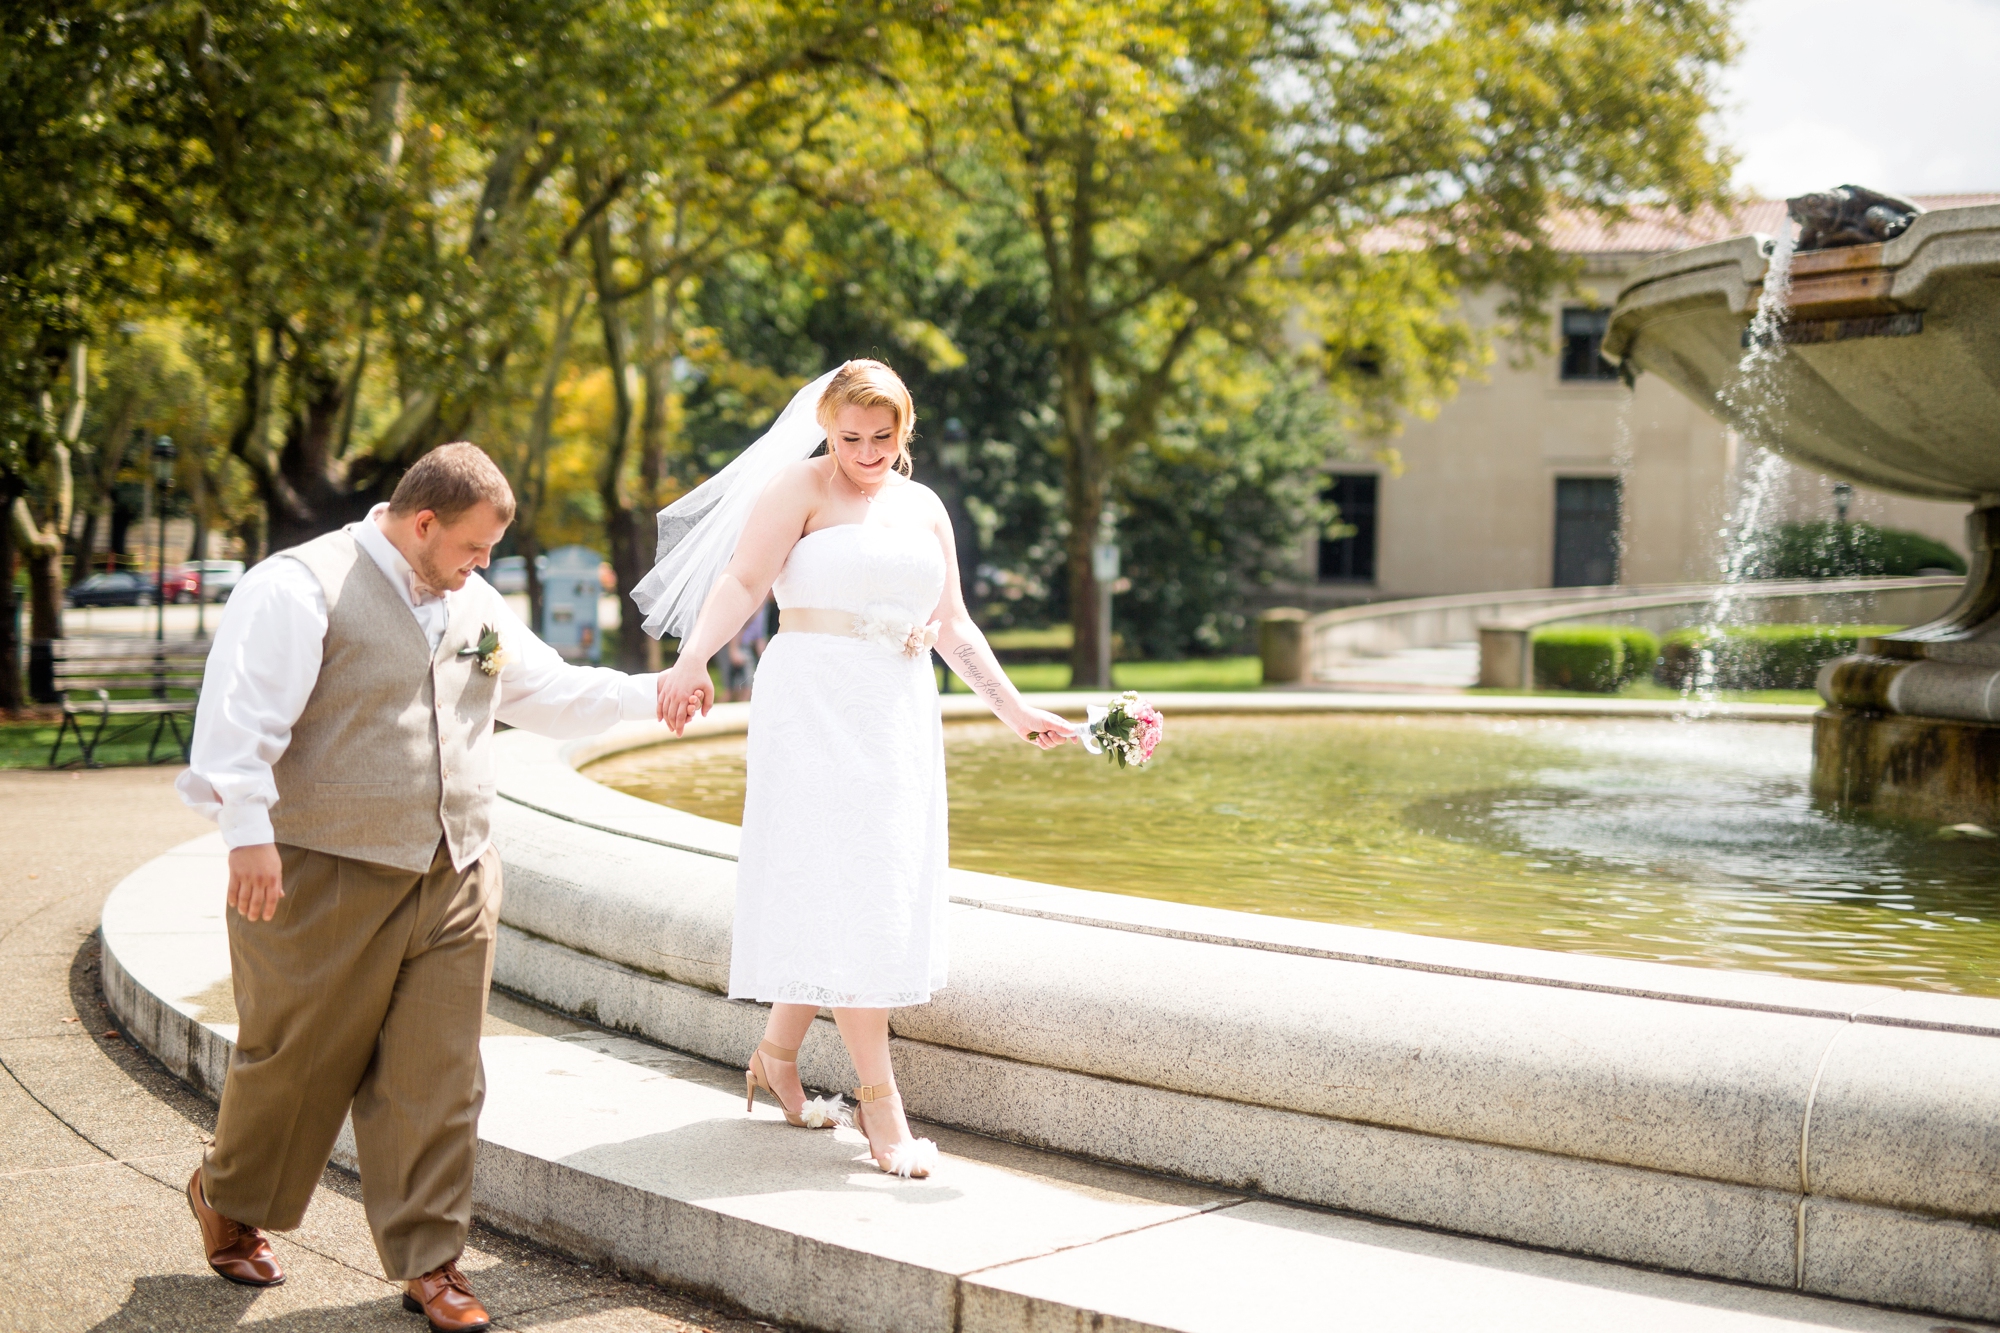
(840, 879)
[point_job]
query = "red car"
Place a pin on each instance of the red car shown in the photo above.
(182, 584)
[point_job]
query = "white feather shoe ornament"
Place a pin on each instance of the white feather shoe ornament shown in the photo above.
(818, 1113)
(912, 1159)
(825, 1113)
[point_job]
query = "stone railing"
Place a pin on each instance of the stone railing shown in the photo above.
(1832, 1138)
(1506, 642)
(1379, 628)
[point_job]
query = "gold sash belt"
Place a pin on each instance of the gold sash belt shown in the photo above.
(904, 636)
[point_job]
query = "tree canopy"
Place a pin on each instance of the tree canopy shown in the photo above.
(1146, 264)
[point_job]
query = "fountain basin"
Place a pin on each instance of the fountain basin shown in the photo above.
(1796, 1133)
(1656, 839)
(1885, 379)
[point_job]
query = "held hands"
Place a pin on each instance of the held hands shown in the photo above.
(686, 693)
(1040, 728)
(255, 881)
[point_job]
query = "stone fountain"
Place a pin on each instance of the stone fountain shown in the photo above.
(1886, 373)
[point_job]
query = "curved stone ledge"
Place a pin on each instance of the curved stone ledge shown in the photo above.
(1835, 1138)
(638, 1158)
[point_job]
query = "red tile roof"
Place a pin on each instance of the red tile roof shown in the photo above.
(1653, 231)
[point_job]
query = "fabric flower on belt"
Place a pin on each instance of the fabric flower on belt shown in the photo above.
(894, 630)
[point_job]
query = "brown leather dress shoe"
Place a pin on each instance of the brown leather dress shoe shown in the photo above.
(235, 1251)
(443, 1297)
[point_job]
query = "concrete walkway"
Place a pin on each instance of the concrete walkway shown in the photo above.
(96, 1139)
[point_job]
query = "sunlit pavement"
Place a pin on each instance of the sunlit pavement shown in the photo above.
(97, 1141)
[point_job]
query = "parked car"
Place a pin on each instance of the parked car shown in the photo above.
(181, 584)
(510, 572)
(119, 589)
(216, 579)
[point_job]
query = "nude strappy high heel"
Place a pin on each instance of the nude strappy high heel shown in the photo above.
(912, 1158)
(817, 1113)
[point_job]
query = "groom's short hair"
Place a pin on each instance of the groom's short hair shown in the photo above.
(451, 479)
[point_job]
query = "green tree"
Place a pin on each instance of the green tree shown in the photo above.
(737, 126)
(1215, 503)
(1210, 174)
(74, 147)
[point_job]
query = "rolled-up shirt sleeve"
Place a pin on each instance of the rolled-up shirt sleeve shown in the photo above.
(261, 671)
(540, 692)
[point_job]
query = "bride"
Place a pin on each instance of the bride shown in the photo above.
(840, 882)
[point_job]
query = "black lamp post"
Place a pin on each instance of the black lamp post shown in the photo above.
(163, 477)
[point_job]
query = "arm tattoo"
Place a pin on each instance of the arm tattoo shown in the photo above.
(975, 675)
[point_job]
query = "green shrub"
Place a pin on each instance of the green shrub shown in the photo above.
(1597, 658)
(1759, 657)
(1830, 550)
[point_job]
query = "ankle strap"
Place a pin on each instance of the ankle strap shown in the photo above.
(777, 1052)
(875, 1092)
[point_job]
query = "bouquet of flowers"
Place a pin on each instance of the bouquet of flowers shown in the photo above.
(1127, 730)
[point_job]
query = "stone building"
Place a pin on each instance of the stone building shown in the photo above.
(1554, 473)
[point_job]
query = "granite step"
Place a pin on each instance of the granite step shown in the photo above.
(641, 1158)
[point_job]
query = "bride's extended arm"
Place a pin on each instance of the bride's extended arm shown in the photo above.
(966, 652)
(769, 534)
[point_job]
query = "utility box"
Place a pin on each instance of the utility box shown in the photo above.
(570, 590)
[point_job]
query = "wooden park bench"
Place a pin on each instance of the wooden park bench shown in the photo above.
(155, 681)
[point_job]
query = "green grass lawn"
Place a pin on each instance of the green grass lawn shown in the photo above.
(26, 744)
(1207, 673)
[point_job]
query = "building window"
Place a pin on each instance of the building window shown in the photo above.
(1350, 558)
(1587, 514)
(1583, 344)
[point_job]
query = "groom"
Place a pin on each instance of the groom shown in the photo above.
(344, 745)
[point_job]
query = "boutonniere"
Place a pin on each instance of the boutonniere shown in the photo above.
(488, 650)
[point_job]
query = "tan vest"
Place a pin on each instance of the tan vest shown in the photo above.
(394, 748)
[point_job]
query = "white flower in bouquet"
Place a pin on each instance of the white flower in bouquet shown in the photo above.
(1127, 730)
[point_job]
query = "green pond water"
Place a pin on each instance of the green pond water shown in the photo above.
(1682, 842)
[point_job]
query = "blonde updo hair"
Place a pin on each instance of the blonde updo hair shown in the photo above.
(870, 384)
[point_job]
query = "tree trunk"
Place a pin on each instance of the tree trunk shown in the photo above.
(96, 502)
(304, 498)
(44, 535)
(45, 591)
(86, 541)
(631, 549)
(656, 351)
(12, 692)
(44, 548)
(1083, 502)
(534, 487)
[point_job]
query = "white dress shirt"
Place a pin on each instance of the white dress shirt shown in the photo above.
(265, 662)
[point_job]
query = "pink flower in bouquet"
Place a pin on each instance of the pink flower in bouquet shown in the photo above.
(1149, 731)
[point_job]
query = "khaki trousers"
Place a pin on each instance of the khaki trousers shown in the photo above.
(368, 989)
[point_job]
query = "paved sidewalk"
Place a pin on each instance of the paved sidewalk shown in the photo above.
(96, 1140)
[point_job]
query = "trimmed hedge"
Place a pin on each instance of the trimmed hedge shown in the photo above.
(1759, 657)
(1830, 550)
(1597, 658)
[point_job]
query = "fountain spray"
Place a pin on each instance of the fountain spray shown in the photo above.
(1752, 402)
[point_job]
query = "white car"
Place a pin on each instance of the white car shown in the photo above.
(218, 578)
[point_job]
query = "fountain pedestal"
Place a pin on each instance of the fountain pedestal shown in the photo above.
(1912, 723)
(1885, 378)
